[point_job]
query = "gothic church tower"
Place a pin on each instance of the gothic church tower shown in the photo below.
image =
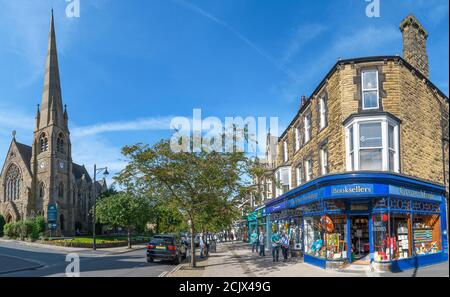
(51, 161)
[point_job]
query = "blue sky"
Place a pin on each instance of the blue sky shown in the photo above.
(128, 66)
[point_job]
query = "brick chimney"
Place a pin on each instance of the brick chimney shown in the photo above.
(303, 101)
(415, 44)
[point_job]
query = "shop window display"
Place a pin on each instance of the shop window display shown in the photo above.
(401, 235)
(335, 236)
(314, 237)
(381, 239)
(427, 234)
(295, 234)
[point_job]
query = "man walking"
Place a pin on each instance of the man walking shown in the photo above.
(276, 241)
(285, 245)
(262, 244)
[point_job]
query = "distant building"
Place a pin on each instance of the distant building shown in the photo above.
(35, 176)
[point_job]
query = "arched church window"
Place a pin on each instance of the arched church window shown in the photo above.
(61, 190)
(60, 143)
(43, 141)
(13, 183)
(41, 190)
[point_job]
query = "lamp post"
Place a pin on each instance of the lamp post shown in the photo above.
(105, 173)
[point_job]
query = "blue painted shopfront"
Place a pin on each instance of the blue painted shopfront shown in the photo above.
(404, 219)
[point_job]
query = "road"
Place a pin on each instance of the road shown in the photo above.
(31, 261)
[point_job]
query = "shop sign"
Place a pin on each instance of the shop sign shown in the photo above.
(303, 199)
(405, 192)
(276, 208)
(379, 226)
(354, 189)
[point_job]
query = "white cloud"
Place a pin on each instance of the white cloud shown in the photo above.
(302, 36)
(157, 123)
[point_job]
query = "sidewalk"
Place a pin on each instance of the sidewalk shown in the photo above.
(106, 251)
(236, 260)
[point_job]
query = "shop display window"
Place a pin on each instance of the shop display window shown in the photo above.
(295, 234)
(335, 236)
(427, 234)
(401, 235)
(380, 203)
(314, 237)
(335, 205)
(381, 239)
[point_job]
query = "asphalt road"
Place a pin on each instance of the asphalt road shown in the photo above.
(24, 261)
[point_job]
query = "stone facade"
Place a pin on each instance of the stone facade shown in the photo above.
(417, 108)
(35, 176)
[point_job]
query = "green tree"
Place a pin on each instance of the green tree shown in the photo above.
(124, 210)
(200, 186)
(2, 224)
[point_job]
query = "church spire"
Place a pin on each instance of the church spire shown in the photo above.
(51, 107)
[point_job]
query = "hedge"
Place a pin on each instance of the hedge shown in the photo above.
(30, 229)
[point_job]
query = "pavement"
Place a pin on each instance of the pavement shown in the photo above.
(19, 259)
(236, 260)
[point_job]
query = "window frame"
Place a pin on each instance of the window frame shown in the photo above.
(285, 151)
(376, 89)
(297, 138)
(309, 167)
(308, 126)
(385, 121)
(323, 156)
(323, 112)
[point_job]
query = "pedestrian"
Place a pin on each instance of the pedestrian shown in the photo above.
(276, 246)
(262, 244)
(202, 246)
(254, 241)
(285, 245)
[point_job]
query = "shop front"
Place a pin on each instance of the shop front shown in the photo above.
(390, 221)
(281, 218)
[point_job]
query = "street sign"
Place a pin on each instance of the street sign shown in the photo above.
(52, 214)
(52, 226)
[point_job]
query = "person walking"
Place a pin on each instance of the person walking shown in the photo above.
(254, 241)
(285, 245)
(276, 241)
(262, 244)
(202, 246)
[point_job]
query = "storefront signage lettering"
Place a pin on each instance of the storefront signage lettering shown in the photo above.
(379, 226)
(351, 189)
(277, 208)
(303, 199)
(405, 192)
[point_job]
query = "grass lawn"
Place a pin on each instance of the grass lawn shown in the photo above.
(104, 239)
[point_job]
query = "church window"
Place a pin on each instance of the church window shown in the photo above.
(43, 142)
(61, 190)
(13, 183)
(60, 143)
(41, 191)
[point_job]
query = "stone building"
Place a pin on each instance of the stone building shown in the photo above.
(394, 91)
(361, 174)
(34, 177)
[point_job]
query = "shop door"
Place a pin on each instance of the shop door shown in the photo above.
(359, 235)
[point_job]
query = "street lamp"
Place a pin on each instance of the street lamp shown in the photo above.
(105, 173)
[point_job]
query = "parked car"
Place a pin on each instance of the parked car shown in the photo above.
(166, 247)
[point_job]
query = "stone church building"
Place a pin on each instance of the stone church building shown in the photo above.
(35, 176)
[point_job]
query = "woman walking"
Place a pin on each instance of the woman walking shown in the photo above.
(285, 245)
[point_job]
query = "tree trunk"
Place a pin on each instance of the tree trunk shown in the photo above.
(129, 237)
(193, 262)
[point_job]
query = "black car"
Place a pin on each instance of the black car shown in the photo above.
(166, 247)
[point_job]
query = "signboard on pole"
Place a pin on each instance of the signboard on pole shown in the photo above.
(52, 214)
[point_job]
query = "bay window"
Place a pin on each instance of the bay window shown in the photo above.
(283, 178)
(370, 91)
(373, 144)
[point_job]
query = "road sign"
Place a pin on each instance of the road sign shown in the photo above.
(52, 226)
(52, 214)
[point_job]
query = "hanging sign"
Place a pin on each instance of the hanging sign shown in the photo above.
(327, 224)
(52, 214)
